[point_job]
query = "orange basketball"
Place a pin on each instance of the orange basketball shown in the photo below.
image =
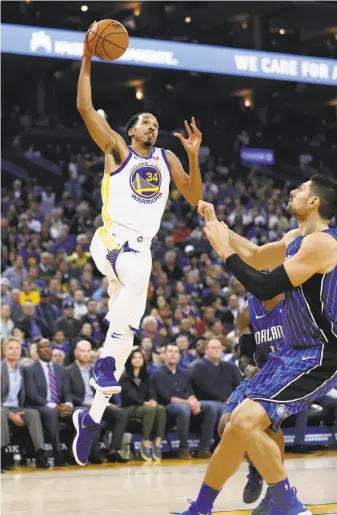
(108, 40)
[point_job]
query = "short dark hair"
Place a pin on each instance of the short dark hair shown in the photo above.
(326, 188)
(172, 344)
(131, 123)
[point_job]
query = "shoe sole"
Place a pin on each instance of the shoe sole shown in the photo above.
(74, 446)
(112, 390)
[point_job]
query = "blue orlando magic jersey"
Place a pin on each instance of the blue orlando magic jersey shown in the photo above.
(310, 310)
(267, 328)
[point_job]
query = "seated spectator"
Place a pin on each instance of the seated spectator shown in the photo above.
(62, 241)
(7, 324)
(171, 268)
(68, 324)
(57, 296)
(60, 343)
(13, 398)
(186, 356)
(28, 293)
(48, 312)
(47, 390)
(139, 400)
(186, 330)
(5, 293)
(173, 389)
(80, 307)
(31, 253)
(58, 357)
(150, 329)
(214, 379)
(207, 317)
(33, 275)
(229, 313)
(233, 358)
(46, 268)
(217, 328)
(103, 305)
(200, 347)
(99, 328)
(32, 325)
(87, 282)
(86, 334)
(16, 274)
(146, 346)
(16, 308)
(79, 374)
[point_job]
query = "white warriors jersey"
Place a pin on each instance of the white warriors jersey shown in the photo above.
(135, 195)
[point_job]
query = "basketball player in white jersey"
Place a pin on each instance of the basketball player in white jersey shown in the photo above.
(135, 189)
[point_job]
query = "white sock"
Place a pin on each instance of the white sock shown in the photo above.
(100, 402)
(120, 349)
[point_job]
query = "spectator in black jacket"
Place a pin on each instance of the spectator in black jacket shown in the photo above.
(68, 324)
(213, 379)
(140, 401)
(32, 325)
(173, 388)
(46, 311)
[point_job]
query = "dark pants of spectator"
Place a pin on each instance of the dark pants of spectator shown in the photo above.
(33, 422)
(183, 414)
(51, 422)
(116, 419)
(154, 419)
(301, 423)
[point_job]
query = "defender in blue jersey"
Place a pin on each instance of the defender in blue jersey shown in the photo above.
(304, 267)
(259, 326)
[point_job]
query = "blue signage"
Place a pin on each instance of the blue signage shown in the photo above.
(257, 156)
(68, 44)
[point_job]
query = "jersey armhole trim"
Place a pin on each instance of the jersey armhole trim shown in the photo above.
(165, 159)
(123, 165)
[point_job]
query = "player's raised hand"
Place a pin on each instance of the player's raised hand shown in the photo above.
(86, 50)
(206, 210)
(192, 143)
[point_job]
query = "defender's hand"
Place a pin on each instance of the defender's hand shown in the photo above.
(192, 143)
(217, 234)
(206, 210)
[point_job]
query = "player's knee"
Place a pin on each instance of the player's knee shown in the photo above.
(242, 424)
(223, 423)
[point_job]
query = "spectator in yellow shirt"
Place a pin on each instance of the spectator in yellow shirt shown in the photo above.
(29, 293)
(79, 258)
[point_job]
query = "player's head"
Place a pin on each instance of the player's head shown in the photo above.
(318, 195)
(143, 128)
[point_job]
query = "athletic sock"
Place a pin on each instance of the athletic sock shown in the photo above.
(99, 404)
(282, 493)
(118, 348)
(206, 498)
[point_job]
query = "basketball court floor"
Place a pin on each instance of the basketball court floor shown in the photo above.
(154, 489)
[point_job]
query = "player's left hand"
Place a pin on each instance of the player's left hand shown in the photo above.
(192, 143)
(217, 234)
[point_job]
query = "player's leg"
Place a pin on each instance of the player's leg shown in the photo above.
(127, 301)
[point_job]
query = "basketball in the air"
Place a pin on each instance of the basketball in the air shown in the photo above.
(108, 40)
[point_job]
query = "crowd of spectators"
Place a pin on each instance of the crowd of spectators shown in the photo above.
(52, 292)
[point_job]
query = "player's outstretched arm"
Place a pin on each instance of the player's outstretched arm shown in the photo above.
(190, 186)
(262, 258)
(317, 255)
(99, 129)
